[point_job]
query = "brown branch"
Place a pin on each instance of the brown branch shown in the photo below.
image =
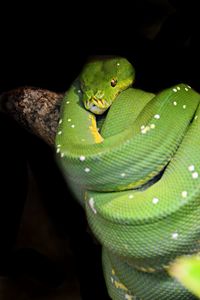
(37, 110)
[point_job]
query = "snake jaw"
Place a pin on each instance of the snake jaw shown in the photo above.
(97, 106)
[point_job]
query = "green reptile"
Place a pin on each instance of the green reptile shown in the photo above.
(186, 269)
(132, 159)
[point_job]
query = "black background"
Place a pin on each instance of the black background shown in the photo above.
(46, 47)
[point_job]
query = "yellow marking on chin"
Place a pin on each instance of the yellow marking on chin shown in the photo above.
(151, 270)
(93, 129)
(99, 102)
(146, 270)
(120, 285)
(85, 196)
(166, 267)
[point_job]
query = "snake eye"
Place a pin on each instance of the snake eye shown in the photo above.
(113, 82)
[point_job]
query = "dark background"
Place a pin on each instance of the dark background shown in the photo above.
(46, 47)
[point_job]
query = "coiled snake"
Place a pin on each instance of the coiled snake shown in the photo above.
(132, 159)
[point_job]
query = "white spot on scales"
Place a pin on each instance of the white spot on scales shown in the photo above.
(155, 200)
(184, 194)
(145, 129)
(175, 235)
(91, 204)
(82, 158)
(195, 175)
(191, 168)
(157, 116)
(128, 297)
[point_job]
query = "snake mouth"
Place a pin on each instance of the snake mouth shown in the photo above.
(97, 106)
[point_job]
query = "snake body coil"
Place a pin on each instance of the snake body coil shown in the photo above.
(136, 170)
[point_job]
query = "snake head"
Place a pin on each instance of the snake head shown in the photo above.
(102, 79)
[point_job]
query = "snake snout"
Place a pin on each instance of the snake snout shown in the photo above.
(99, 95)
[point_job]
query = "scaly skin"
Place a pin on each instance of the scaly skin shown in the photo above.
(143, 223)
(99, 91)
(187, 270)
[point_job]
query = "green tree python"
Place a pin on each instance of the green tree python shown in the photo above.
(187, 270)
(132, 159)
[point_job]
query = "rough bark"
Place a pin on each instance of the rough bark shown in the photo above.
(37, 110)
